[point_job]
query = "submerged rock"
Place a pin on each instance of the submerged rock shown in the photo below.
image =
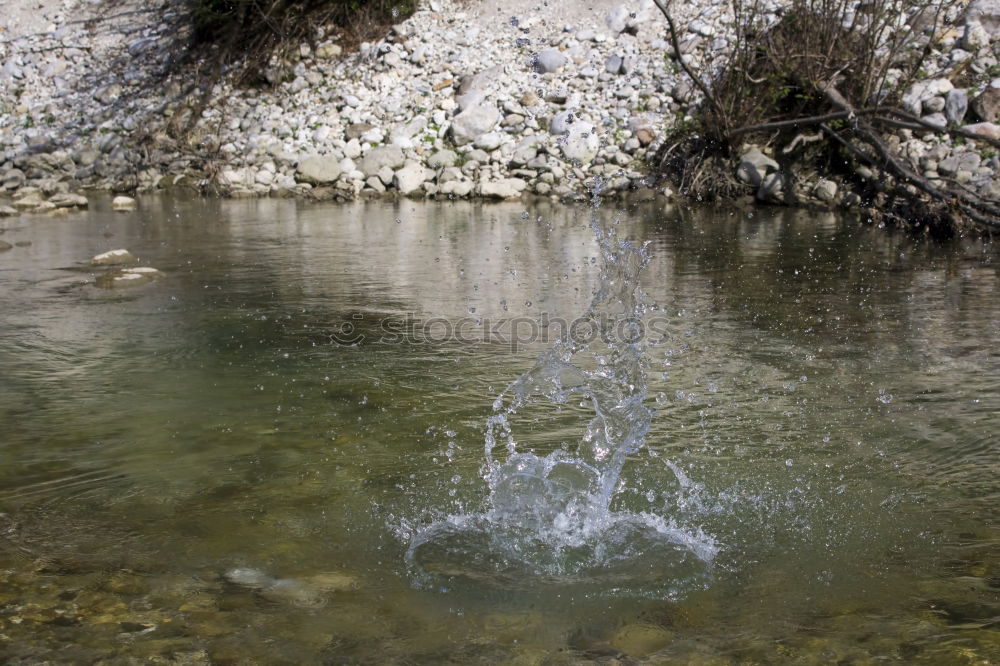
(247, 577)
(4, 246)
(113, 258)
(68, 200)
(123, 203)
(641, 640)
(128, 277)
(7, 211)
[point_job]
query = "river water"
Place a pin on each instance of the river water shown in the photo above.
(229, 464)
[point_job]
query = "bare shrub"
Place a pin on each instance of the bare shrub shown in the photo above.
(838, 69)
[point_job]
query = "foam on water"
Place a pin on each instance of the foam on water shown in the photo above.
(548, 517)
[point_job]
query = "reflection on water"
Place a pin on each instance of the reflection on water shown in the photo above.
(825, 399)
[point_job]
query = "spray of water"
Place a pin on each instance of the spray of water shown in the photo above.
(549, 517)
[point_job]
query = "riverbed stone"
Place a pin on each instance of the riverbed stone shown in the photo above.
(956, 105)
(987, 14)
(442, 158)
(7, 211)
(318, 169)
(987, 130)
(489, 141)
(247, 577)
(617, 19)
(411, 177)
(967, 161)
(457, 188)
(754, 166)
(381, 157)
(825, 190)
(473, 122)
(68, 200)
(986, 105)
(108, 94)
(113, 258)
(548, 60)
(4, 246)
(772, 188)
(123, 203)
(29, 200)
(641, 640)
(581, 143)
(508, 188)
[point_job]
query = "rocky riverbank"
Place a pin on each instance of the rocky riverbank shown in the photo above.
(461, 99)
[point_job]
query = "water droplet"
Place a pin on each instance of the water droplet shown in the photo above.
(788, 462)
(514, 22)
(472, 310)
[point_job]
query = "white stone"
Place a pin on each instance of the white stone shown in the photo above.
(318, 169)
(123, 203)
(489, 141)
(581, 143)
(352, 149)
(411, 177)
(975, 36)
(474, 122)
(113, 258)
(509, 188)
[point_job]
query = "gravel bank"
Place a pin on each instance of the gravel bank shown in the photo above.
(484, 99)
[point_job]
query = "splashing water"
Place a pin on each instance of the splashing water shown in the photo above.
(549, 518)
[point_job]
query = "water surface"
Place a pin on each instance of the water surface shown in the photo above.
(291, 399)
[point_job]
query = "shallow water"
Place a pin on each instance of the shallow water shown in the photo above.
(827, 410)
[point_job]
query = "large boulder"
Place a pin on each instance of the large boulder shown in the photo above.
(381, 157)
(474, 122)
(318, 169)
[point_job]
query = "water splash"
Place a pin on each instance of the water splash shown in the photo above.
(549, 515)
